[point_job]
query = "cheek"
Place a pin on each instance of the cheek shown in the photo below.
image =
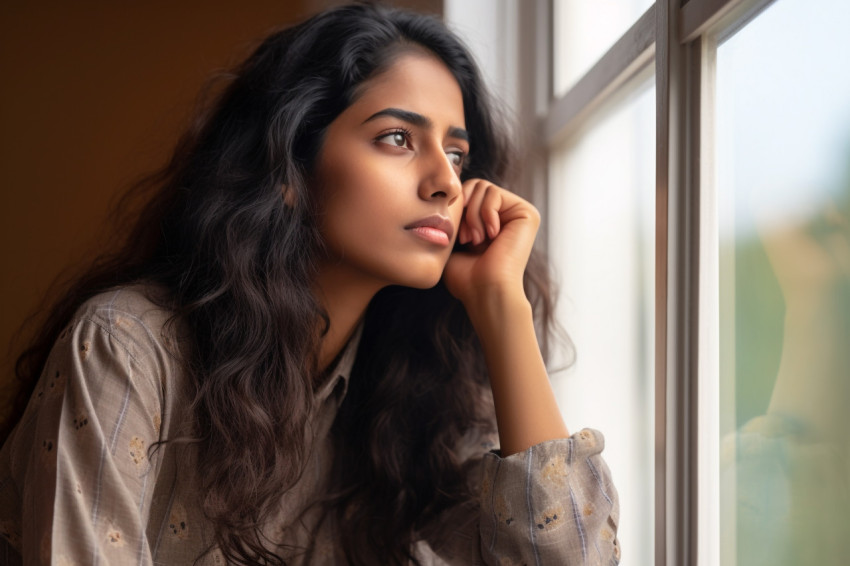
(359, 213)
(367, 191)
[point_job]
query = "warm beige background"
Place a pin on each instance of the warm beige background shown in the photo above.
(93, 95)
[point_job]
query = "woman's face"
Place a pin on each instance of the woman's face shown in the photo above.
(389, 177)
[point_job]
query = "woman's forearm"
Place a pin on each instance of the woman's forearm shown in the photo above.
(526, 410)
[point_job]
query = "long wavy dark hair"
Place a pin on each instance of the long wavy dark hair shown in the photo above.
(237, 260)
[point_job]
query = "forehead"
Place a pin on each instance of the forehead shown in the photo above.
(417, 82)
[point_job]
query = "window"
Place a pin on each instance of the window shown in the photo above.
(602, 193)
(691, 161)
(783, 195)
(583, 31)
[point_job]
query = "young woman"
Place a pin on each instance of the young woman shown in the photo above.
(305, 346)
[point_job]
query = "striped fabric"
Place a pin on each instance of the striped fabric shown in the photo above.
(79, 486)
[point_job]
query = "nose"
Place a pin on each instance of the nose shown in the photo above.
(440, 179)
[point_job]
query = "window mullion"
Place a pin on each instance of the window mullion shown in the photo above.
(708, 367)
(677, 130)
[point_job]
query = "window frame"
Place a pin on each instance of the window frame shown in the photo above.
(680, 38)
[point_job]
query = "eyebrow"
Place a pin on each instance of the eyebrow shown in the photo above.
(417, 120)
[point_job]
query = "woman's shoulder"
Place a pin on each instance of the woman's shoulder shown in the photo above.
(142, 300)
(134, 316)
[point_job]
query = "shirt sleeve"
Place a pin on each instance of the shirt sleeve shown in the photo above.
(82, 451)
(554, 503)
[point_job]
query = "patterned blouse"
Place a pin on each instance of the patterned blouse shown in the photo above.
(79, 486)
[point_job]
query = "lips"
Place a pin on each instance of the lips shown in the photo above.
(430, 228)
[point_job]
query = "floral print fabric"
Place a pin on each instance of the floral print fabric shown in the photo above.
(80, 485)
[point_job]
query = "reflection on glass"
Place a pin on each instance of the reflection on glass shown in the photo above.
(783, 170)
(584, 30)
(601, 241)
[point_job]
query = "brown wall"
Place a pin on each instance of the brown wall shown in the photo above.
(93, 95)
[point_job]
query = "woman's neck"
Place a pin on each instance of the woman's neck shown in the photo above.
(344, 297)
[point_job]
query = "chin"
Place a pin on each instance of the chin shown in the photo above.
(420, 279)
(418, 274)
(421, 282)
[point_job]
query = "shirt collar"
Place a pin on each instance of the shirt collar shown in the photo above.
(338, 376)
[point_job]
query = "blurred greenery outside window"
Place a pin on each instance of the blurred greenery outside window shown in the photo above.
(783, 185)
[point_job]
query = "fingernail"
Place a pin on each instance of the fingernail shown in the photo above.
(491, 230)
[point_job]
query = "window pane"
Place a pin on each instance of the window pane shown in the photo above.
(783, 174)
(601, 242)
(584, 30)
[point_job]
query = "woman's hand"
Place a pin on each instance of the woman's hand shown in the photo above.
(499, 229)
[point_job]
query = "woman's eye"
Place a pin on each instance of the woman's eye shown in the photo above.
(397, 139)
(456, 158)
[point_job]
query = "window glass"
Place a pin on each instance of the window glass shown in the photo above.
(601, 242)
(584, 30)
(783, 182)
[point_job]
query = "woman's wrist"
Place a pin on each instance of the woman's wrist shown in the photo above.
(497, 304)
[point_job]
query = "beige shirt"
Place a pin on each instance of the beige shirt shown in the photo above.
(77, 485)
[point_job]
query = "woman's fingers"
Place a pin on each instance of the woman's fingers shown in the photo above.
(481, 220)
(472, 216)
(490, 207)
(498, 228)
